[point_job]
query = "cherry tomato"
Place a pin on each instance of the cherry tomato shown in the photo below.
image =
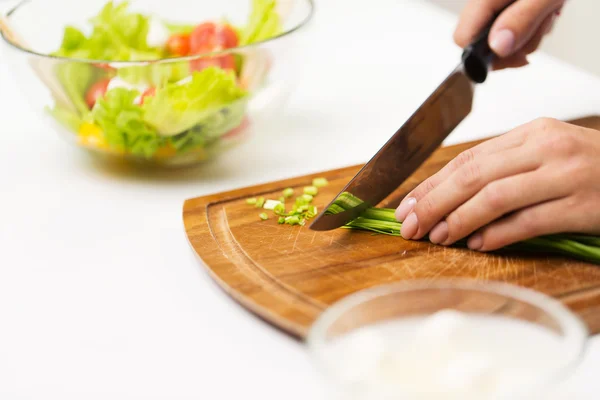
(179, 44)
(239, 130)
(96, 91)
(105, 67)
(209, 37)
(150, 92)
(204, 38)
(228, 36)
(226, 61)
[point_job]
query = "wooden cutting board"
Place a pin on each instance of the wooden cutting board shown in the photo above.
(289, 275)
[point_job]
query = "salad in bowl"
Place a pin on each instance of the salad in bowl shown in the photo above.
(130, 83)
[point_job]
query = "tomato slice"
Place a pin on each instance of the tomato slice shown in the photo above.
(204, 38)
(226, 61)
(179, 44)
(150, 92)
(228, 36)
(96, 91)
(210, 37)
(237, 131)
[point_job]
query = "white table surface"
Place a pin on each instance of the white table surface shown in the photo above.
(100, 294)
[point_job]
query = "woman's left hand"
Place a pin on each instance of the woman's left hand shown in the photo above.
(541, 178)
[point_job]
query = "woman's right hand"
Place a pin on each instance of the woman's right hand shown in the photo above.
(517, 32)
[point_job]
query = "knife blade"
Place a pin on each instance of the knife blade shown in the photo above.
(423, 132)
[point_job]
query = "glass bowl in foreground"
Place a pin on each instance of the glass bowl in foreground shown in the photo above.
(172, 82)
(449, 340)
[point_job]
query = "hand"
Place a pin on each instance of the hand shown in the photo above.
(541, 178)
(517, 32)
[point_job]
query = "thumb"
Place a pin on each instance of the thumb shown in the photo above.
(515, 27)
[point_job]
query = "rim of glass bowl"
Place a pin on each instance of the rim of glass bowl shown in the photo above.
(303, 23)
(575, 331)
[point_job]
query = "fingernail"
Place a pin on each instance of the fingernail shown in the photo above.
(410, 226)
(503, 42)
(475, 242)
(439, 233)
(404, 208)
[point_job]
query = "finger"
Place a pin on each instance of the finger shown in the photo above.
(518, 24)
(519, 59)
(475, 16)
(497, 199)
(512, 139)
(542, 219)
(463, 184)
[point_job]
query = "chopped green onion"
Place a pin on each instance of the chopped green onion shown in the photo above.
(251, 201)
(282, 199)
(312, 211)
(260, 202)
(287, 193)
(320, 182)
(271, 204)
(281, 220)
(263, 216)
(304, 199)
(292, 220)
(279, 209)
(311, 190)
(303, 208)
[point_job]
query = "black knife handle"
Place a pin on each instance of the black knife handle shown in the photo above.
(477, 57)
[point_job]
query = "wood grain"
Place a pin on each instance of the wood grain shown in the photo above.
(289, 275)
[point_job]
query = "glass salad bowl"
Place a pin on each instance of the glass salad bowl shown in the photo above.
(446, 339)
(174, 82)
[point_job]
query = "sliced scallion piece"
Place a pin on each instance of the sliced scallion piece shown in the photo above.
(271, 204)
(311, 190)
(320, 182)
(279, 209)
(287, 193)
(263, 216)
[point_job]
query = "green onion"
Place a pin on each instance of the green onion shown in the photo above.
(320, 182)
(292, 220)
(383, 221)
(271, 204)
(251, 201)
(304, 199)
(279, 209)
(287, 193)
(281, 220)
(263, 216)
(282, 199)
(311, 190)
(260, 202)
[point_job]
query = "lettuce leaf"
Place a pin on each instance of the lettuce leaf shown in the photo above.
(264, 22)
(178, 107)
(117, 34)
(75, 79)
(155, 74)
(211, 129)
(123, 124)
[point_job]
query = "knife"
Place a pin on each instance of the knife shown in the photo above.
(420, 135)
